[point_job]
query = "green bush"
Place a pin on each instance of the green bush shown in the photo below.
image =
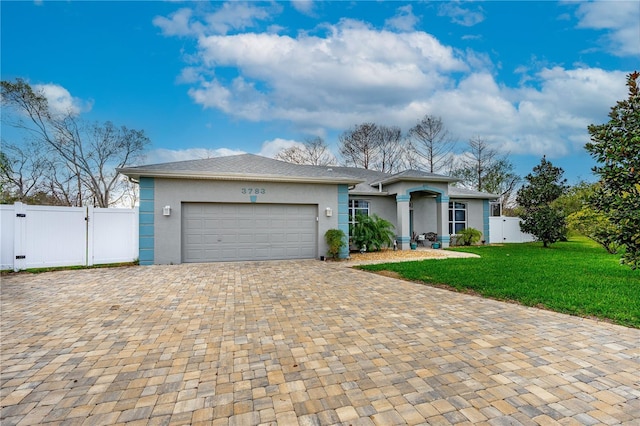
(336, 240)
(469, 236)
(372, 232)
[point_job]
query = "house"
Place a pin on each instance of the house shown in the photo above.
(248, 207)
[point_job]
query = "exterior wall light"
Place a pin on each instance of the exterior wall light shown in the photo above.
(166, 211)
(328, 212)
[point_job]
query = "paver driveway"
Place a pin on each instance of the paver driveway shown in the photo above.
(298, 342)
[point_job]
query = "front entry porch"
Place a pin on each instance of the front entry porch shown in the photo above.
(419, 211)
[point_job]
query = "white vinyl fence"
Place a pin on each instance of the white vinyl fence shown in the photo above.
(46, 236)
(503, 229)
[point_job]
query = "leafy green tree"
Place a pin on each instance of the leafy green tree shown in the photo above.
(615, 145)
(575, 197)
(371, 233)
(583, 219)
(540, 217)
(594, 225)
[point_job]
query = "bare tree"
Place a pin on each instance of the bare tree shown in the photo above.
(391, 150)
(482, 169)
(22, 171)
(90, 152)
(432, 144)
(359, 147)
(314, 151)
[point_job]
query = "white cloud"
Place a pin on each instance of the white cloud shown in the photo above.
(60, 100)
(178, 23)
(303, 6)
(620, 18)
(355, 68)
(355, 73)
(163, 155)
(404, 20)
(462, 15)
(272, 147)
(229, 17)
(550, 119)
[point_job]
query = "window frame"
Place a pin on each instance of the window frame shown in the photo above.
(354, 209)
(453, 221)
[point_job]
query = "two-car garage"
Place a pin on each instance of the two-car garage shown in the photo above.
(232, 231)
(238, 208)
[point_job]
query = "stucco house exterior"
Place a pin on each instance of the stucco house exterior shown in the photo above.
(248, 207)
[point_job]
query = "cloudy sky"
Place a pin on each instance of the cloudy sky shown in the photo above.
(205, 79)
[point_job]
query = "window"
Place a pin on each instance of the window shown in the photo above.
(357, 207)
(495, 209)
(457, 217)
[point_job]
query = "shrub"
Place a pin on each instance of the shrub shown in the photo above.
(468, 236)
(336, 240)
(372, 232)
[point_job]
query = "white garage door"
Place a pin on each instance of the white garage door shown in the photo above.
(214, 232)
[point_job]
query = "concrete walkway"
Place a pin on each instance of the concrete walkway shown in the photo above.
(298, 342)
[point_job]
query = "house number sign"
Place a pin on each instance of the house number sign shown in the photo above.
(253, 191)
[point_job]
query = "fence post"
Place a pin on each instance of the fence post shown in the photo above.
(89, 236)
(20, 236)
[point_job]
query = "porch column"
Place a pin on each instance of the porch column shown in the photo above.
(442, 213)
(403, 230)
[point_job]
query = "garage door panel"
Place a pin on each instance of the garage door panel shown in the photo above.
(306, 238)
(228, 232)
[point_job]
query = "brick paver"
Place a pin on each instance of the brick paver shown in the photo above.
(298, 342)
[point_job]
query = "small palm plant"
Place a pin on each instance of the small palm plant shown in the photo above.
(372, 232)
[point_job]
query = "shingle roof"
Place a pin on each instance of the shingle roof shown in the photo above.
(415, 175)
(456, 191)
(256, 167)
(237, 167)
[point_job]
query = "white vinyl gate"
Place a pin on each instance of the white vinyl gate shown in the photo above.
(503, 229)
(228, 232)
(48, 236)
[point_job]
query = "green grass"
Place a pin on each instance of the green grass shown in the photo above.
(70, 268)
(577, 277)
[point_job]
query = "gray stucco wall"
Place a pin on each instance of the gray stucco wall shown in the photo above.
(424, 213)
(174, 192)
(383, 206)
(475, 215)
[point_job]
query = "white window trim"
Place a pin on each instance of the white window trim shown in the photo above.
(354, 210)
(452, 223)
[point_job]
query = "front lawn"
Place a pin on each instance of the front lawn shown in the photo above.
(575, 277)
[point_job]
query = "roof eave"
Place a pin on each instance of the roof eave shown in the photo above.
(136, 174)
(475, 196)
(415, 179)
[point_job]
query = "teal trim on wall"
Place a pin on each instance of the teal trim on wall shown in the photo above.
(403, 198)
(343, 217)
(486, 210)
(424, 188)
(146, 193)
(442, 199)
(146, 230)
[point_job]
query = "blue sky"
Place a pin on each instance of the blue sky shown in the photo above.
(205, 79)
